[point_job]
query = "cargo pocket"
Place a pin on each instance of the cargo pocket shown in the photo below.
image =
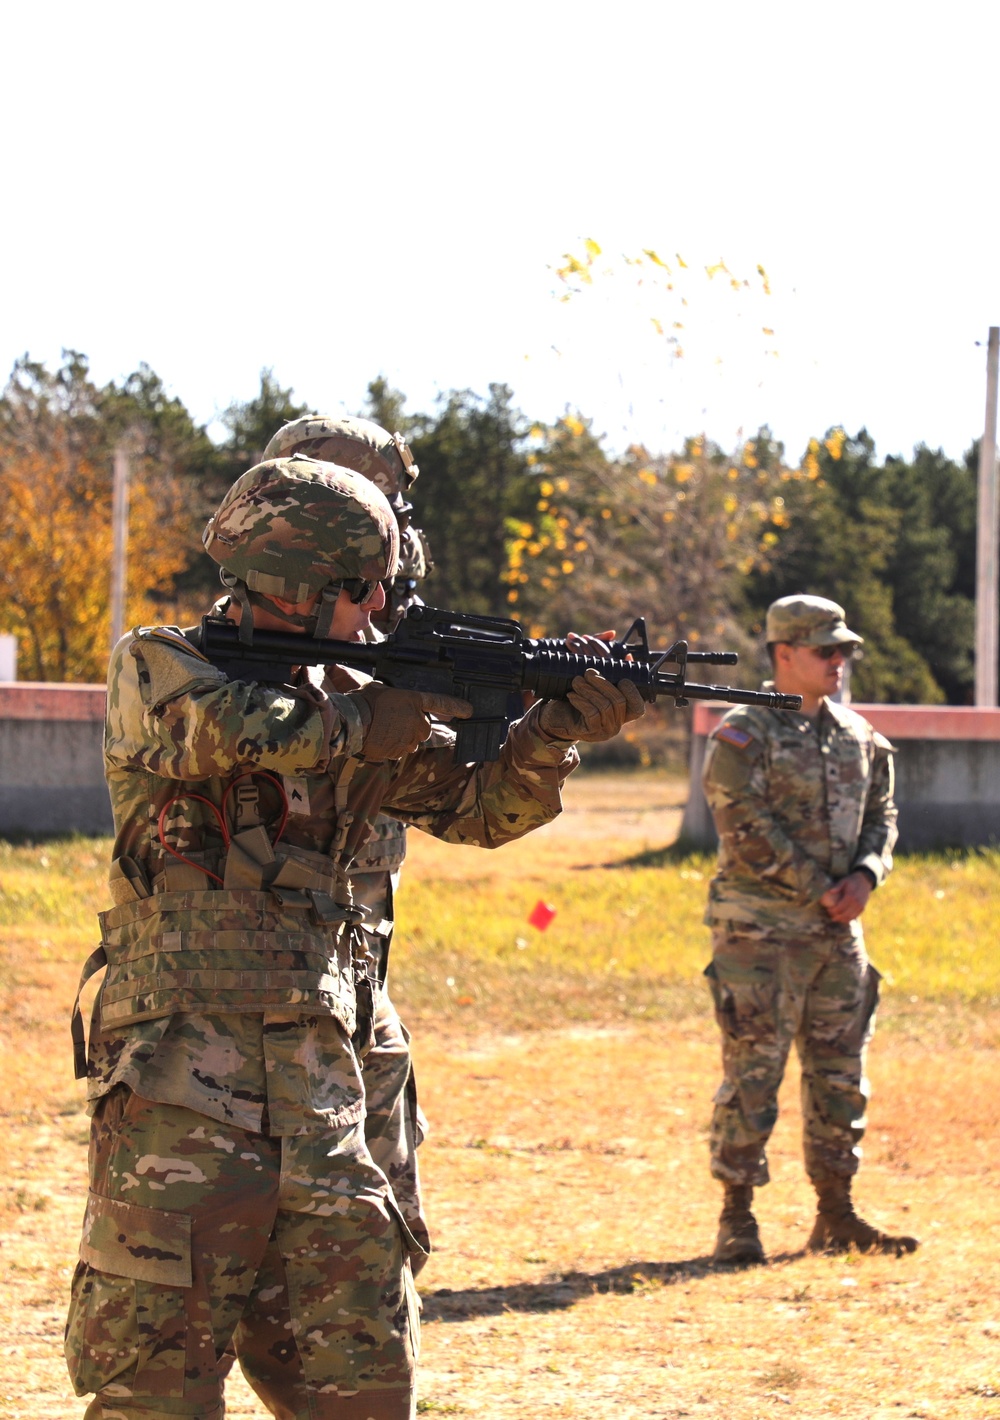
(859, 1032)
(127, 1325)
(722, 1000)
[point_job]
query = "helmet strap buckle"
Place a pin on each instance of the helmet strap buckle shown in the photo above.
(238, 588)
(327, 606)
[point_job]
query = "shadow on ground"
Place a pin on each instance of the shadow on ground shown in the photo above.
(558, 1293)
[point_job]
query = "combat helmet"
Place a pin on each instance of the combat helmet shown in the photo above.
(352, 443)
(292, 527)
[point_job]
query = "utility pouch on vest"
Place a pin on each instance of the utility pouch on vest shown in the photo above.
(127, 880)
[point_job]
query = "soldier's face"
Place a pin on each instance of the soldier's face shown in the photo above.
(351, 621)
(810, 671)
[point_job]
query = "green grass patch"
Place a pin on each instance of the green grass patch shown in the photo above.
(626, 940)
(631, 939)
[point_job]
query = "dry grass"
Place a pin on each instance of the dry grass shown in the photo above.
(568, 1078)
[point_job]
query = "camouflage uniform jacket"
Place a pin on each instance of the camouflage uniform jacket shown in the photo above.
(798, 804)
(177, 735)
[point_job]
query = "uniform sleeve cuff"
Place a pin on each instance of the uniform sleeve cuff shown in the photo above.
(353, 725)
(872, 867)
(535, 747)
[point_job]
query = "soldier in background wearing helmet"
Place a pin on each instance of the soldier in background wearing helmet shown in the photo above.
(232, 1194)
(394, 1123)
(803, 806)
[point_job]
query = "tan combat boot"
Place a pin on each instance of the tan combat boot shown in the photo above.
(738, 1243)
(838, 1228)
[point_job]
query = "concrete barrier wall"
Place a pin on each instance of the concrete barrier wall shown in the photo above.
(51, 759)
(947, 774)
(947, 767)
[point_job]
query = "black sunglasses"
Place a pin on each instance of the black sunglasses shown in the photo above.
(360, 591)
(827, 653)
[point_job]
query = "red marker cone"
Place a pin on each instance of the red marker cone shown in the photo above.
(541, 915)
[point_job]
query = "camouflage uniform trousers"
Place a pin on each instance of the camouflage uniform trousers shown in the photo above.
(198, 1233)
(818, 989)
(394, 1122)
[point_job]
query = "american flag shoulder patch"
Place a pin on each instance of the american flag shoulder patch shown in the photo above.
(731, 735)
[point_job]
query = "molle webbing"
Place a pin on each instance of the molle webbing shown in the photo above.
(228, 951)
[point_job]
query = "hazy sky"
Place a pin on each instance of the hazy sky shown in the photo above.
(341, 190)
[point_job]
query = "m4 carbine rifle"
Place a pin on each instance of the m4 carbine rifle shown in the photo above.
(485, 660)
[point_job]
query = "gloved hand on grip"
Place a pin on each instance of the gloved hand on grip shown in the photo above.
(399, 720)
(594, 709)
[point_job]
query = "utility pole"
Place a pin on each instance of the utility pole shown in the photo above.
(987, 538)
(119, 523)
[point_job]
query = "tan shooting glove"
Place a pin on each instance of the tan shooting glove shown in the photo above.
(400, 720)
(594, 709)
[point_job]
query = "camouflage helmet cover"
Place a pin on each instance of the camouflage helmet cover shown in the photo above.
(291, 526)
(352, 443)
(415, 561)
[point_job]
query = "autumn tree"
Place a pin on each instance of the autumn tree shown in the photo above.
(671, 538)
(57, 433)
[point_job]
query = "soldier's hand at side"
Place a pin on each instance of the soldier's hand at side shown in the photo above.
(397, 721)
(848, 898)
(594, 709)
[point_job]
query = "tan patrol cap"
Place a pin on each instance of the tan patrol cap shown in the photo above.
(808, 621)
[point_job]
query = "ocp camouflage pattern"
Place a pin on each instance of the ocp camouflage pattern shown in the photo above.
(798, 804)
(359, 444)
(769, 988)
(192, 749)
(197, 1232)
(290, 526)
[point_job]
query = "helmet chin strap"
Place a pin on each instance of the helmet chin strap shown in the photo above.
(327, 606)
(317, 624)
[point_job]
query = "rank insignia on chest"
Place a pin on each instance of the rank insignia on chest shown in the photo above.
(731, 735)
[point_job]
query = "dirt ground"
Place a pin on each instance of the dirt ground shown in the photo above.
(573, 1213)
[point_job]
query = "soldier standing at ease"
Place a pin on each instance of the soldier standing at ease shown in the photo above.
(232, 1194)
(803, 807)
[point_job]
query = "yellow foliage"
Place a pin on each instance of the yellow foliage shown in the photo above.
(683, 471)
(834, 445)
(546, 489)
(592, 247)
(646, 475)
(567, 567)
(734, 473)
(55, 525)
(575, 426)
(542, 505)
(605, 513)
(562, 484)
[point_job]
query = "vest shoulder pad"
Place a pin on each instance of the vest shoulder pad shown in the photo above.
(173, 666)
